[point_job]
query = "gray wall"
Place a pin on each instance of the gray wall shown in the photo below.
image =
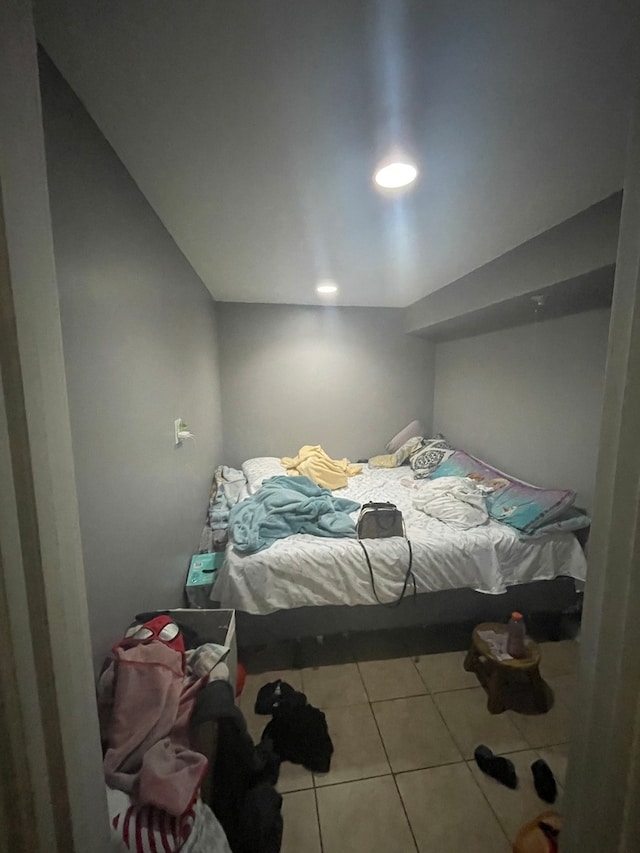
(529, 399)
(345, 378)
(586, 242)
(140, 343)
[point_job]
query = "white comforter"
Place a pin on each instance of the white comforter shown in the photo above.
(305, 570)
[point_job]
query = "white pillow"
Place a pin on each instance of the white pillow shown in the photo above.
(411, 430)
(261, 468)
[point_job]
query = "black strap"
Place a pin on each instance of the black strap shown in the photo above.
(408, 575)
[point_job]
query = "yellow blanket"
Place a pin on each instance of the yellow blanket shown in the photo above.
(313, 462)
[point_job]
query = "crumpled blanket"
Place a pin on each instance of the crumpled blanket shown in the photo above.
(145, 704)
(456, 501)
(288, 505)
(314, 463)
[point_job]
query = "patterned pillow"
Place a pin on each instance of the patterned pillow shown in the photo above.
(433, 452)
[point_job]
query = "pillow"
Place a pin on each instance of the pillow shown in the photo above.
(410, 431)
(513, 502)
(259, 469)
(433, 452)
(568, 521)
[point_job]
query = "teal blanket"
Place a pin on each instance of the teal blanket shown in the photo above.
(287, 505)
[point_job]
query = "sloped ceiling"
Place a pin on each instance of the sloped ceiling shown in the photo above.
(253, 128)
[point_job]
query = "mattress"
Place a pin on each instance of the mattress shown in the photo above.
(303, 570)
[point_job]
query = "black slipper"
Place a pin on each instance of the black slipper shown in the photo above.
(496, 766)
(544, 781)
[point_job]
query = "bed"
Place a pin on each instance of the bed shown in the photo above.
(304, 585)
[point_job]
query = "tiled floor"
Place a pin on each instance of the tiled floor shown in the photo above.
(402, 776)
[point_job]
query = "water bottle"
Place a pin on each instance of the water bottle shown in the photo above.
(515, 636)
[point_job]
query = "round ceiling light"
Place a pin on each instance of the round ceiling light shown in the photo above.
(326, 288)
(395, 174)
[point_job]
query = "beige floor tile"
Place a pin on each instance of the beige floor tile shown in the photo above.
(334, 686)
(300, 818)
(293, 777)
(557, 758)
(365, 816)
(559, 658)
(413, 733)
(544, 729)
(513, 808)
(253, 684)
(448, 812)
(465, 713)
(445, 672)
(564, 689)
(391, 679)
(357, 749)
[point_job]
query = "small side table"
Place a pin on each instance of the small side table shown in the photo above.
(493, 673)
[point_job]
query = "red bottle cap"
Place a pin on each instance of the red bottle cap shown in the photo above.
(517, 616)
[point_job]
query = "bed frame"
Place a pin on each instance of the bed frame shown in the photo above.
(540, 598)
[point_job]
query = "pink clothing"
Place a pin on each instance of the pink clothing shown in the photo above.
(148, 731)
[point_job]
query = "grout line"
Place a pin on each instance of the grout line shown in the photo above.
(429, 767)
(488, 802)
(397, 698)
(351, 781)
(446, 725)
(366, 692)
(395, 782)
(315, 797)
(420, 675)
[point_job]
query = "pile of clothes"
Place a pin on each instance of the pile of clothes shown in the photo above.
(156, 691)
(297, 732)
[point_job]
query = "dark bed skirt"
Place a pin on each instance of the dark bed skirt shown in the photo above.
(430, 608)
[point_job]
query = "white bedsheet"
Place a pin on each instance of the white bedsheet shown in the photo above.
(305, 570)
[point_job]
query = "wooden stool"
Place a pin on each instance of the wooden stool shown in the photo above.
(493, 673)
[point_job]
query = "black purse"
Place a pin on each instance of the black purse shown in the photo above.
(381, 521)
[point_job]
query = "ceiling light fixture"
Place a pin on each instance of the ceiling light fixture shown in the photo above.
(326, 288)
(395, 173)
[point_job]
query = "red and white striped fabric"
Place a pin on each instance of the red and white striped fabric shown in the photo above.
(148, 829)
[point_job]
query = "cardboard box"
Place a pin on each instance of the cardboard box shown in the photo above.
(213, 626)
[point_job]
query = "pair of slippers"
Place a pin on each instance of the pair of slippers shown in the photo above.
(502, 769)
